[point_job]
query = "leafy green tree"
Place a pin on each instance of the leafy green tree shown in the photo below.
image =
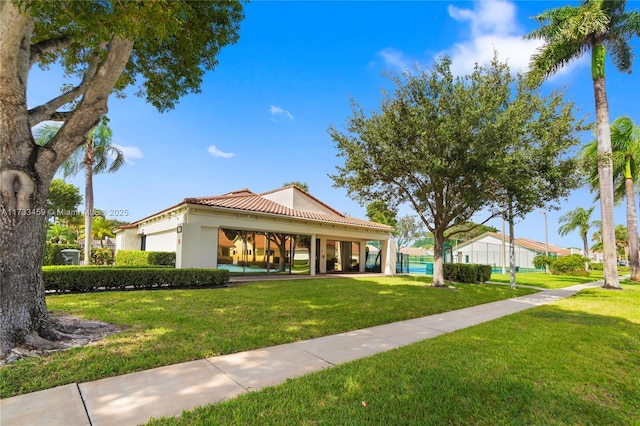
(444, 143)
(469, 230)
(568, 33)
(105, 46)
(97, 156)
(63, 201)
(379, 212)
(537, 167)
(408, 228)
(625, 144)
(301, 185)
(579, 219)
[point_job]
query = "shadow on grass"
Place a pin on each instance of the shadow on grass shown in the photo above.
(548, 365)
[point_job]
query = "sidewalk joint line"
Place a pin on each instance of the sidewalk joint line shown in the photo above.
(84, 404)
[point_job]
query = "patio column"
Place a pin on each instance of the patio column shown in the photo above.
(363, 257)
(388, 257)
(312, 255)
(323, 255)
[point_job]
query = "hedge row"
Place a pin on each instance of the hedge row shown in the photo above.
(467, 273)
(145, 258)
(91, 278)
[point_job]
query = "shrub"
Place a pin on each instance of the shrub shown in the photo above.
(101, 256)
(542, 261)
(145, 258)
(53, 253)
(467, 273)
(569, 265)
(166, 258)
(596, 266)
(92, 278)
(225, 260)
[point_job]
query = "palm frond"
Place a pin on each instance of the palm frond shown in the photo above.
(45, 133)
(621, 54)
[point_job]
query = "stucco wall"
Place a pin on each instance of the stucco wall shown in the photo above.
(161, 241)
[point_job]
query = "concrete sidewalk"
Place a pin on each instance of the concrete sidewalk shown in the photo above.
(134, 398)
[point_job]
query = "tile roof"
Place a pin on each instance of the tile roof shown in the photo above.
(246, 200)
(526, 243)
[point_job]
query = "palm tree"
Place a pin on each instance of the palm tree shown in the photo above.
(101, 228)
(579, 219)
(625, 144)
(58, 233)
(98, 155)
(568, 33)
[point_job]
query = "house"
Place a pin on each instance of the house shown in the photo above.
(487, 249)
(286, 229)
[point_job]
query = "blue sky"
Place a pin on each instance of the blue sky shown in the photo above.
(261, 119)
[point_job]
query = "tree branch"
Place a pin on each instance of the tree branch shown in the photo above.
(48, 110)
(39, 49)
(93, 104)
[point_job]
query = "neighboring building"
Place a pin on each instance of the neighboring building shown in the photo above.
(487, 249)
(108, 242)
(416, 251)
(247, 232)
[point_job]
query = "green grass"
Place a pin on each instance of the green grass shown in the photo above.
(163, 327)
(569, 363)
(540, 279)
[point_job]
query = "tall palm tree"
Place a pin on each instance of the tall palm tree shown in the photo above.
(568, 33)
(579, 219)
(625, 144)
(98, 155)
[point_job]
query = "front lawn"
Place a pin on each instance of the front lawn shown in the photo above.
(540, 279)
(574, 362)
(164, 327)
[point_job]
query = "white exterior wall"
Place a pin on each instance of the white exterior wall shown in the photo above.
(196, 245)
(127, 239)
(161, 241)
(488, 251)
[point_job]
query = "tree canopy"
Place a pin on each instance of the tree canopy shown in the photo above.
(452, 146)
(63, 200)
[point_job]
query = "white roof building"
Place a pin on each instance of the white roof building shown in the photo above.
(244, 228)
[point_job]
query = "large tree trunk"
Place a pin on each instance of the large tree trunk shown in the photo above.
(438, 266)
(26, 170)
(632, 229)
(605, 174)
(23, 311)
(23, 194)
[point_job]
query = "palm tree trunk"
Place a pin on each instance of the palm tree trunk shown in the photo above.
(585, 244)
(88, 213)
(605, 174)
(632, 229)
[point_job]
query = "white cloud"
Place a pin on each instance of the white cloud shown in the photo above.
(276, 110)
(217, 153)
(492, 25)
(395, 59)
(130, 153)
